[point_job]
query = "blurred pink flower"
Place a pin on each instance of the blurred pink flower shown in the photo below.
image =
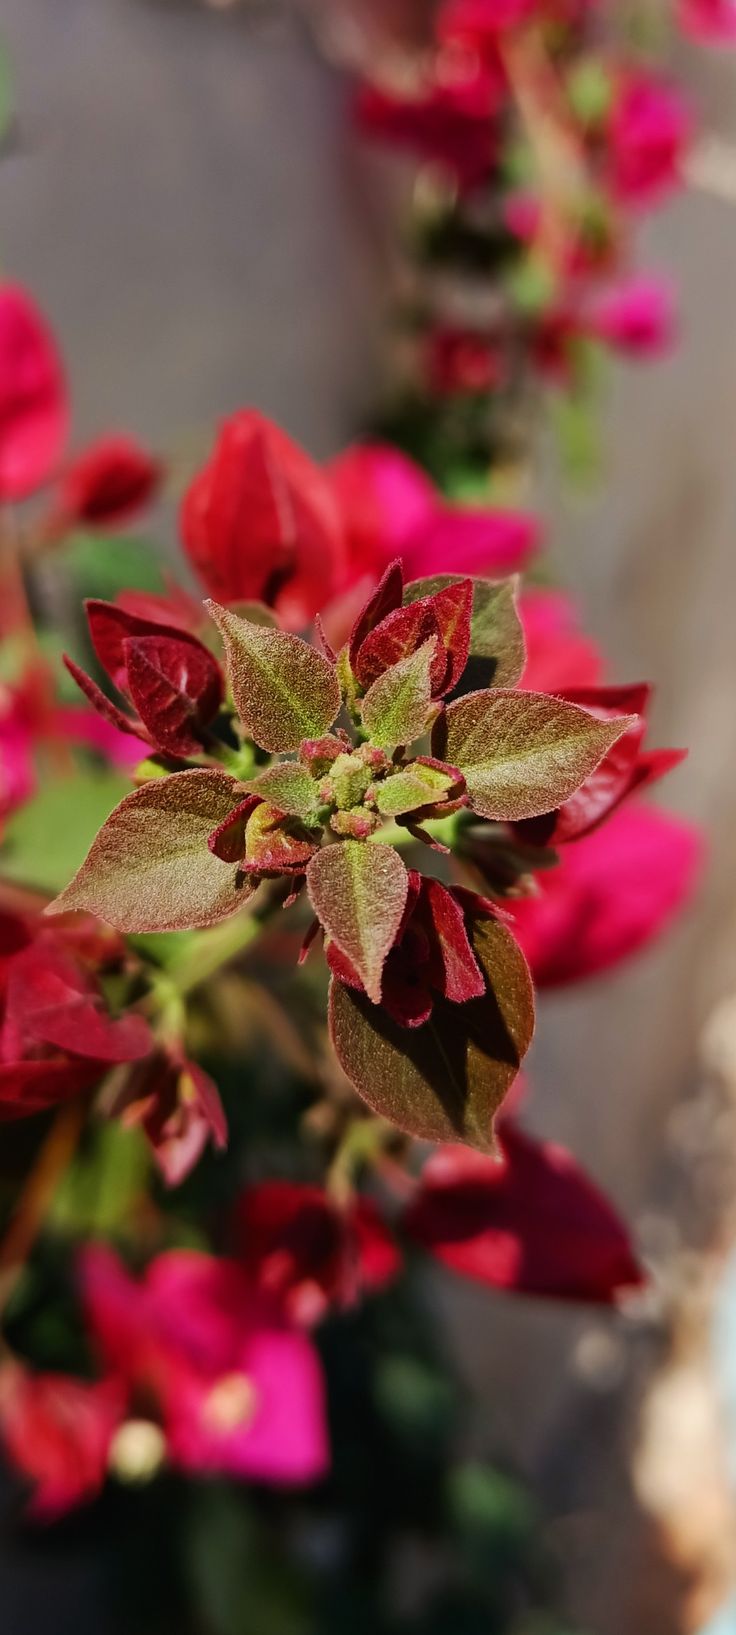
(611, 894)
(106, 484)
(313, 1255)
(34, 411)
(637, 316)
(529, 1222)
(238, 1389)
(57, 1431)
(17, 770)
(449, 119)
(711, 21)
(649, 132)
(558, 655)
(391, 508)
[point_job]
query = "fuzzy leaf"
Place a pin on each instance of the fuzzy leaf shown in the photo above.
(522, 753)
(613, 779)
(227, 840)
(397, 707)
(284, 691)
(358, 891)
(414, 786)
(111, 626)
(289, 786)
(176, 686)
(496, 634)
(275, 844)
(394, 639)
(385, 599)
(445, 1080)
(452, 607)
(150, 869)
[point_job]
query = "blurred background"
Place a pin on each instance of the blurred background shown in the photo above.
(186, 201)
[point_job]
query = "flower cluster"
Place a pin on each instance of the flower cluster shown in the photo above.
(544, 135)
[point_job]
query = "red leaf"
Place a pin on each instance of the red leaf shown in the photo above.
(51, 1000)
(111, 626)
(275, 844)
(108, 483)
(397, 637)
(176, 686)
(532, 1223)
(34, 411)
(104, 705)
(386, 598)
(227, 841)
(654, 764)
(454, 969)
(178, 1106)
(33, 1087)
(58, 1432)
(452, 608)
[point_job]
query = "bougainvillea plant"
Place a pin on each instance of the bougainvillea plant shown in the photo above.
(350, 757)
(208, 1251)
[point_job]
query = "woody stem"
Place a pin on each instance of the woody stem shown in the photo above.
(37, 1195)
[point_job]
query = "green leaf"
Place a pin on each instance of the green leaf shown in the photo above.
(100, 1192)
(101, 565)
(289, 786)
(283, 689)
(358, 893)
(496, 632)
(397, 707)
(414, 786)
(443, 1081)
(45, 842)
(150, 868)
(522, 753)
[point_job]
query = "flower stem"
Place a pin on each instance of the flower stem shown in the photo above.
(37, 1195)
(213, 949)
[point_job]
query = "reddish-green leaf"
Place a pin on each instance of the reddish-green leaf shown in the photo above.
(415, 786)
(394, 639)
(496, 634)
(284, 691)
(289, 786)
(358, 892)
(522, 753)
(275, 844)
(398, 706)
(150, 868)
(445, 1080)
(385, 599)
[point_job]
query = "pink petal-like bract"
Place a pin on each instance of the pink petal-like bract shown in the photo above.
(612, 893)
(34, 412)
(530, 1223)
